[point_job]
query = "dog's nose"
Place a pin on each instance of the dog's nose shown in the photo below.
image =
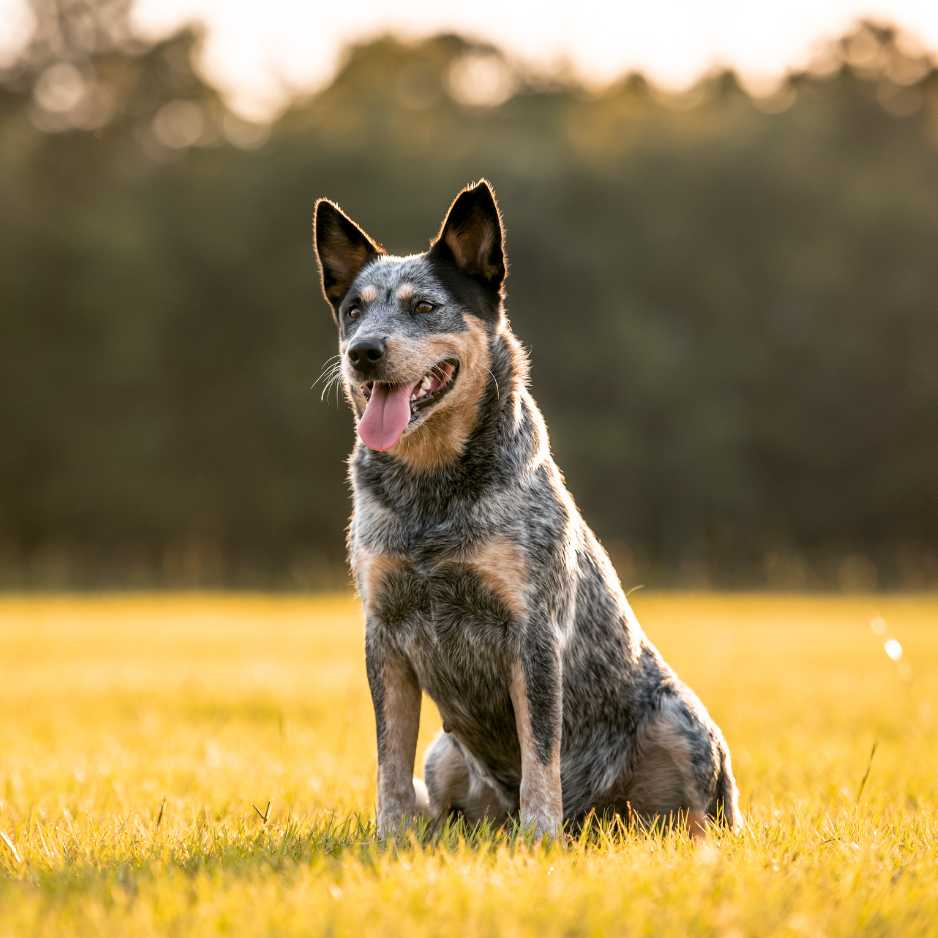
(366, 354)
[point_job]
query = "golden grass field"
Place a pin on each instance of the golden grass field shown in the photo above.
(137, 735)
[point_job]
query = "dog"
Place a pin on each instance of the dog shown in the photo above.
(481, 583)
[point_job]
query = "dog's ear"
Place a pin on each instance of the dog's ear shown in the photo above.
(473, 238)
(342, 249)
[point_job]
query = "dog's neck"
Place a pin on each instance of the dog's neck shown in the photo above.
(501, 438)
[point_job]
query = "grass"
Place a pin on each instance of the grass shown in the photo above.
(203, 765)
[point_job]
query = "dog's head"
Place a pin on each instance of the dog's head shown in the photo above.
(414, 331)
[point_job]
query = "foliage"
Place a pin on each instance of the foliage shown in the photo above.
(729, 299)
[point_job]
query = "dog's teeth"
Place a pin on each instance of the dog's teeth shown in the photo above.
(426, 386)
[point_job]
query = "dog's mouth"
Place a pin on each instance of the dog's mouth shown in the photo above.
(391, 409)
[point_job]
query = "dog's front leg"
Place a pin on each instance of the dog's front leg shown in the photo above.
(536, 695)
(395, 694)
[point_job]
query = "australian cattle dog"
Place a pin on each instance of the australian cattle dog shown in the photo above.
(481, 583)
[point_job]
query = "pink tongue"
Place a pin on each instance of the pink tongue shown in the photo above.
(386, 416)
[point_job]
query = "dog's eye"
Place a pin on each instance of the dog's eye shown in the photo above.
(353, 312)
(423, 307)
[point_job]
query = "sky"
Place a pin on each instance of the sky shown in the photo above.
(258, 52)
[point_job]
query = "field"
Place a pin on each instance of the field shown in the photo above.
(203, 765)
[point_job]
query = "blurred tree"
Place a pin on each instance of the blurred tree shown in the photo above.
(730, 301)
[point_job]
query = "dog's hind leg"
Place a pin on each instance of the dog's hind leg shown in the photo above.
(724, 808)
(682, 772)
(455, 787)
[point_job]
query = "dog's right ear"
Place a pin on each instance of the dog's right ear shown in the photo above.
(342, 249)
(472, 237)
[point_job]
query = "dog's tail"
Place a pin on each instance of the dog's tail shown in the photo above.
(725, 807)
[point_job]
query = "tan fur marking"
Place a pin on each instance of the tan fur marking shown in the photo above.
(369, 293)
(405, 291)
(663, 781)
(541, 793)
(442, 437)
(502, 566)
(397, 798)
(371, 570)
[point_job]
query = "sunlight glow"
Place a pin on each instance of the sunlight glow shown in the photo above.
(893, 649)
(260, 54)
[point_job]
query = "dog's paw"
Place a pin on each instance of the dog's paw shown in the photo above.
(403, 827)
(401, 816)
(541, 825)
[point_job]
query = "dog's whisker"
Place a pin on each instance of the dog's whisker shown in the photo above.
(328, 372)
(329, 368)
(327, 384)
(498, 395)
(335, 379)
(329, 362)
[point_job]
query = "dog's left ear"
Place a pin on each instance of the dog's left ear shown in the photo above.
(342, 250)
(473, 238)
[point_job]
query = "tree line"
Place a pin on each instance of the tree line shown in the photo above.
(729, 299)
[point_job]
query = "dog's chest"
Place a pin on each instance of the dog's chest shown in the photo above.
(449, 602)
(454, 613)
(473, 585)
